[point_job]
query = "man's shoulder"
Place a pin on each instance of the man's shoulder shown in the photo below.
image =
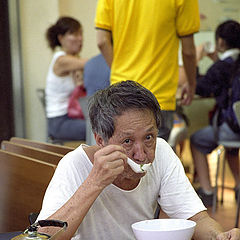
(161, 141)
(74, 157)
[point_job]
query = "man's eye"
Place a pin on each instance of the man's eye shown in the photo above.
(149, 137)
(127, 141)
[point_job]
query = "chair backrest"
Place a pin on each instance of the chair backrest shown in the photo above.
(42, 145)
(23, 183)
(36, 153)
(236, 108)
(41, 96)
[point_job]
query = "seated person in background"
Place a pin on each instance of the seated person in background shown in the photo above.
(96, 75)
(64, 74)
(217, 82)
(98, 193)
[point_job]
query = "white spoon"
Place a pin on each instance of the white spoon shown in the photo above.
(138, 168)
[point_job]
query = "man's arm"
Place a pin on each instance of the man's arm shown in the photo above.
(207, 228)
(189, 63)
(104, 43)
(108, 164)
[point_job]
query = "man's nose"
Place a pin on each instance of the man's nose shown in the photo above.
(139, 152)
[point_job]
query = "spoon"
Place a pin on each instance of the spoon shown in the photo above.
(138, 168)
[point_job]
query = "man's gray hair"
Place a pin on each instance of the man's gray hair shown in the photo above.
(111, 102)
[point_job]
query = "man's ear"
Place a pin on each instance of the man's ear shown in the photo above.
(99, 140)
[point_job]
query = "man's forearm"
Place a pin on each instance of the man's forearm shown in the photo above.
(74, 210)
(206, 228)
(189, 61)
(104, 42)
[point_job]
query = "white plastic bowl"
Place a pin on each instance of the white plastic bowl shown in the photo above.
(164, 229)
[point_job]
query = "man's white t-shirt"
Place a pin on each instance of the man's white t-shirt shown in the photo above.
(113, 212)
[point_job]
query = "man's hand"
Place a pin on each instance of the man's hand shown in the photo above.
(233, 234)
(108, 164)
(187, 94)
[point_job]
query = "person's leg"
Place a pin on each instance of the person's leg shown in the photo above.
(202, 143)
(166, 124)
(181, 147)
(202, 168)
(233, 162)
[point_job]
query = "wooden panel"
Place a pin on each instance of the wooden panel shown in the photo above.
(23, 184)
(42, 145)
(32, 152)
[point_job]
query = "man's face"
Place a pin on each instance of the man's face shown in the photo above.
(136, 132)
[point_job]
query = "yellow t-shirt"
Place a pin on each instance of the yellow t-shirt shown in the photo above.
(145, 41)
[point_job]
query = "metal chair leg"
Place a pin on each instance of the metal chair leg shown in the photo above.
(219, 151)
(223, 176)
(238, 208)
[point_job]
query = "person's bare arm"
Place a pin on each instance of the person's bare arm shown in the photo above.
(207, 228)
(104, 43)
(189, 63)
(68, 63)
(108, 164)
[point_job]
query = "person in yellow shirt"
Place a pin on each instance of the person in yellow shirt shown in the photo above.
(140, 39)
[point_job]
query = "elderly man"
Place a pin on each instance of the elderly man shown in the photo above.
(97, 192)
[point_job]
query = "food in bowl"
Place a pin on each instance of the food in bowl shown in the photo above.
(164, 229)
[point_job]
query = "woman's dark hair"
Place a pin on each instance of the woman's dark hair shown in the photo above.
(230, 32)
(62, 26)
(111, 102)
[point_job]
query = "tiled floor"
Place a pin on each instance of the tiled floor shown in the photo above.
(226, 212)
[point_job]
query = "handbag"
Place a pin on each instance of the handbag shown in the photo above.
(74, 107)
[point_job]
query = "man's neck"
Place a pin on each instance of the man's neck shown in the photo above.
(126, 184)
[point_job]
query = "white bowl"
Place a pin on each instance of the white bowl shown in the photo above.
(164, 229)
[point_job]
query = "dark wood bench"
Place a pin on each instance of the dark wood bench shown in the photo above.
(28, 151)
(23, 182)
(42, 145)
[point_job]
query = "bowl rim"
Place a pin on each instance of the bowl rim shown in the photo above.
(162, 219)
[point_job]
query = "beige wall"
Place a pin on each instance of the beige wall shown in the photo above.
(84, 11)
(35, 18)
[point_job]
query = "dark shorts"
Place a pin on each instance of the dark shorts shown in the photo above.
(206, 140)
(65, 128)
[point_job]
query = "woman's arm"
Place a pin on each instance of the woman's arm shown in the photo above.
(68, 63)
